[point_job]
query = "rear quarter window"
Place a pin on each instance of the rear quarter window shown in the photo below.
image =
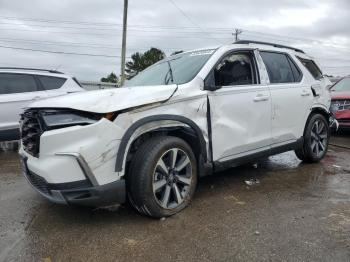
(50, 82)
(312, 67)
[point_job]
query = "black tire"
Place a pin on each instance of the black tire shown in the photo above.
(145, 172)
(316, 139)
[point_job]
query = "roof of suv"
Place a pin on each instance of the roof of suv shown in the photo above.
(32, 71)
(257, 44)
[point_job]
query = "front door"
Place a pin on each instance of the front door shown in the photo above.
(240, 108)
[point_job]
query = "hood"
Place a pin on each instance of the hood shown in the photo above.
(109, 100)
(340, 95)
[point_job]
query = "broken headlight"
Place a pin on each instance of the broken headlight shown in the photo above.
(58, 119)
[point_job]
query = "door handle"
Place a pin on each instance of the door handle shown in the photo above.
(261, 97)
(305, 93)
(36, 98)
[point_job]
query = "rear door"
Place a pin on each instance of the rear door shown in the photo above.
(16, 92)
(291, 97)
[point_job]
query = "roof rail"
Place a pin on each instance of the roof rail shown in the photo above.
(270, 44)
(32, 69)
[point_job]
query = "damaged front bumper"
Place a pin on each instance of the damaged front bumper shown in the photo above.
(81, 192)
(76, 165)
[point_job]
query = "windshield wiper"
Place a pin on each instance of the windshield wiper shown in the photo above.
(170, 72)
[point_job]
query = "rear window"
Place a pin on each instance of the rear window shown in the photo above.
(17, 83)
(50, 82)
(312, 68)
(281, 68)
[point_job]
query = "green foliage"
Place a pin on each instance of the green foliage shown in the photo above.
(111, 78)
(140, 61)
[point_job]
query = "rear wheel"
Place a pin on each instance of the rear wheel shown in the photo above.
(316, 139)
(163, 177)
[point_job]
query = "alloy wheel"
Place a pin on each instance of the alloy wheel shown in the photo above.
(319, 138)
(172, 178)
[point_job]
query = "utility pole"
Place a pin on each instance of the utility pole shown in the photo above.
(237, 33)
(125, 21)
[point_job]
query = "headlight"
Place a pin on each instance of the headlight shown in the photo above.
(56, 118)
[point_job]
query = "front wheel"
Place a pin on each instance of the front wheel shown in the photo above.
(316, 139)
(163, 177)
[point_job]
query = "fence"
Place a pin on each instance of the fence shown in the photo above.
(89, 86)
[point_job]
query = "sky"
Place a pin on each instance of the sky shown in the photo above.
(83, 37)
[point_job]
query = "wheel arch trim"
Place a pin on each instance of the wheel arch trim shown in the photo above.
(129, 137)
(320, 108)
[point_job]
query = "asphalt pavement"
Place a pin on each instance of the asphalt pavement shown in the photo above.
(277, 210)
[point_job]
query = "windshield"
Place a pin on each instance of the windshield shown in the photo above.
(178, 69)
(342, 85)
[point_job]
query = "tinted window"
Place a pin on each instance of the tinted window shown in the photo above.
(234, 69)
(278, 67)
(50, 82)
(312, 67)
(17, 83)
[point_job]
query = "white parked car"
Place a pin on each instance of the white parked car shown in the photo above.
(187, 116)
(21, 86)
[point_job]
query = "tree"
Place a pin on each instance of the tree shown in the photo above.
(140, 61)
(111, 78)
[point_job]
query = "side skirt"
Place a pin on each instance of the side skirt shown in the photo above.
(220, 166)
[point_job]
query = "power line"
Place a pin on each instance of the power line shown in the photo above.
(77, 44)
(191, 20)
(132, 28)
(103, 34)
(273, 36)
(58, 52)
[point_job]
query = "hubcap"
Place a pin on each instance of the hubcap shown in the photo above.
(172, 178)
(319, 138)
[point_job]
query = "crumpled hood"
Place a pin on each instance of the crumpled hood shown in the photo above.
(109, 100)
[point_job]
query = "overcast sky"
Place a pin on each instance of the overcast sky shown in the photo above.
(320, 27)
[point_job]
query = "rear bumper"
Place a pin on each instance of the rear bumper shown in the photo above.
(76, 193)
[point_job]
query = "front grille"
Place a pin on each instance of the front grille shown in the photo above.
(31, 131)
(342, 104)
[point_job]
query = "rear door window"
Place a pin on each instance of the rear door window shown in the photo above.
(311, 66)
(17, 83)
(280, 68)
(50, 82)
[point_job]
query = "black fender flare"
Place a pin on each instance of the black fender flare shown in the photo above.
(128, 134)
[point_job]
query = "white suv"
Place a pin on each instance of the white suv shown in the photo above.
(187, 116)
(21, 86)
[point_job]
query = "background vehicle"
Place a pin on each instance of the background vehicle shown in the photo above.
(341, 102)
(187, 116)
(21, 86)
